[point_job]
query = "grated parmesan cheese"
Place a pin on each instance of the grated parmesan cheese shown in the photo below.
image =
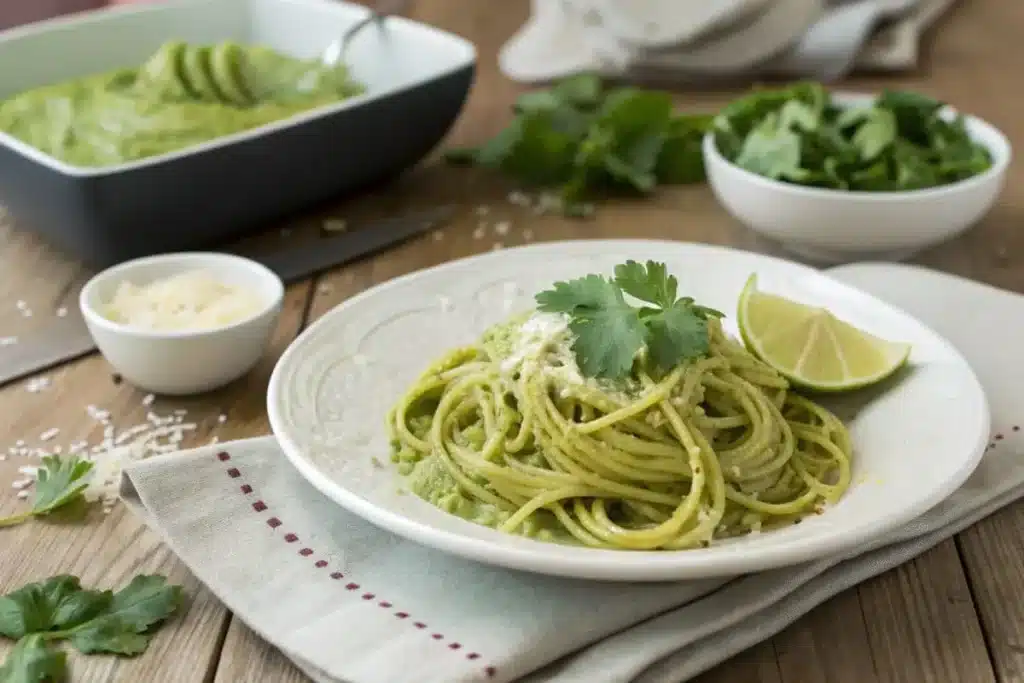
(194, 300)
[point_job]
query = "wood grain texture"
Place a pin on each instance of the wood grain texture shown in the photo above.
(923, 627)
(108, 550)
(247, 657)
(759, 664)
(930, 620)
(829, 645)
(994, 562)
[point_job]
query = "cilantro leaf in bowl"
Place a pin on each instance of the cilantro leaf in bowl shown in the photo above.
(802, 135)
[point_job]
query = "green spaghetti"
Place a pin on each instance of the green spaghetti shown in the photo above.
(509, 433)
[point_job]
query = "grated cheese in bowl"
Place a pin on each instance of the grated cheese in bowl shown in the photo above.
(192, 300)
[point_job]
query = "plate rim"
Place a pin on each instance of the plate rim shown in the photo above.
(651, 566)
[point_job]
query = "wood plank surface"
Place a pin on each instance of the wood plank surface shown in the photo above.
(108, 550)
(950, 616)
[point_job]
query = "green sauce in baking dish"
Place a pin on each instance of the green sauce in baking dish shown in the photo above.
(182, 96)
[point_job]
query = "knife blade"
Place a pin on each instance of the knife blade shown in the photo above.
(68, 338)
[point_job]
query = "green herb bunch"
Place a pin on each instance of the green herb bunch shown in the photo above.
(584, 141)
(801, 135)
(610, 332)
(92, 621)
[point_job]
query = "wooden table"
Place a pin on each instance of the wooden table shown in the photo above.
(953, 615)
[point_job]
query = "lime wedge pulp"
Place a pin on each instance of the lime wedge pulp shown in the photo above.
(810, 346)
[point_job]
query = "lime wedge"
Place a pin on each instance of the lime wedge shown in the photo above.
(810, 346)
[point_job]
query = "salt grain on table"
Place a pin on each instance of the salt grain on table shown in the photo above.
(37, 384)
(159, 434)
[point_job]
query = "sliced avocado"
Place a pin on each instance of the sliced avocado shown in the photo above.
(162, 73)
(196, 66)
(260, 69)
(226, 71)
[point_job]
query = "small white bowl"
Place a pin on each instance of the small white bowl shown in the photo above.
(183, 362)
(834, 226)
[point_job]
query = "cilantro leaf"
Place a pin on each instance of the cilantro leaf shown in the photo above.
(608, 332)
(650, 282)
(59, 483)
(580, 141)
(57, 603)
(771, 150)
(122, 628)
(677, 333)
(583, 90)
(146, 600)
(607, 340)
(682, 159)
(33, 661)
(875, 134)
(901, 141)
(93, 621)
(109, 636)
(24, 611)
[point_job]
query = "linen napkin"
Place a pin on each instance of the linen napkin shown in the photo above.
(350, 603)
(663, 40)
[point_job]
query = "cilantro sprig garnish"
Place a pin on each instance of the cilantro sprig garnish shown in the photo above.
(609, 331)
(59, 484)
(92, 621)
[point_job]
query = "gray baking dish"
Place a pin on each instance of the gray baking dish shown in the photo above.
(417, 79)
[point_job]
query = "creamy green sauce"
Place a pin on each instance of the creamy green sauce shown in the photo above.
(429, 478)
(182, 96)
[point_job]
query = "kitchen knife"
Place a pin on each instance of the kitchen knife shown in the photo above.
(68, 338)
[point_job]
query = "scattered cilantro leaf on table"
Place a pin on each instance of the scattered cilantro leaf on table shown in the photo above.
(609, 332)
(123, 627)
(59, 484)
(92, 621)
(33, 661)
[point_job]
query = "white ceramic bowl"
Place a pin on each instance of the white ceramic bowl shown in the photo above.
(183, 362)
(834, 226)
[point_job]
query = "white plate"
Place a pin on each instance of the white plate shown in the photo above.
(328, 397)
